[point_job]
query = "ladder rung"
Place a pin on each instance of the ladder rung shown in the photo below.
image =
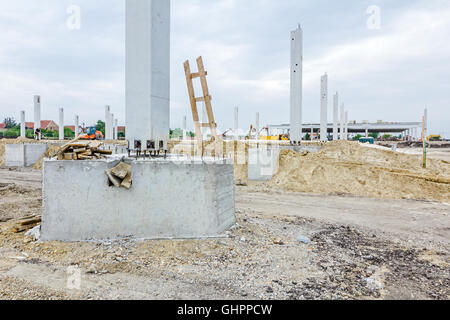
(197, 75)
(202, 99)
(207, 125)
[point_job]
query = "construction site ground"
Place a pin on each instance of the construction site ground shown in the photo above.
(287, 245)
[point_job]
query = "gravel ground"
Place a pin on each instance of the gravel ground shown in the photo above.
(282, 253)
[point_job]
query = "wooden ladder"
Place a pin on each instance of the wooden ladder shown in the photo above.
(194, 100)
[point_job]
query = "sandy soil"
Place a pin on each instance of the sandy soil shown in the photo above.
(438, 154)
(358, 248)
(351, 168)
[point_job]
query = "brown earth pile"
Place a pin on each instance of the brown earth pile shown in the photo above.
(351, 168)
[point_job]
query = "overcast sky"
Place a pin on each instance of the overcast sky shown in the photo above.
(391, 73)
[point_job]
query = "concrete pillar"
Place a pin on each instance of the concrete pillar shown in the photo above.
(324, 108)
(367, 131)
(296, 85)
(184, 128)
(61, 124)
(116, 129)
(312, 133)
(107, 122)
(77, 126)
(346, 125)
(23, 129)
(336, 117)
(111, 134)
(257, 126)
(148, 72)
(37, 113)
(342, 122)
(426, 119)
(236, 123)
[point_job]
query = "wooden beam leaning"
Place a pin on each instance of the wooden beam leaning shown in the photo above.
(196, 118)
(207, 99)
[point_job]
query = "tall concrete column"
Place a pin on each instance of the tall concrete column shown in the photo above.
(61, 124)
(107, 122)
(425, 114)
(296, 85)
(324, 108)
(77, 126)
(23, 129)
(257, 126)
(312, 133)
(148, 72)
(37, 113)
(111, 133)
(236, 123)
(336, 117)
(367, 131)
(346, 125)
(116, 129)
(184, 128)
(342, 122)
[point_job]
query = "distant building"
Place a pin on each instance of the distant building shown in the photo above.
(45, 125)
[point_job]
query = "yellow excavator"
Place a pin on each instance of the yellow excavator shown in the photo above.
(434, 137)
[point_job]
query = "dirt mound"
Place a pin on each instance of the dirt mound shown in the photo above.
(352, 168)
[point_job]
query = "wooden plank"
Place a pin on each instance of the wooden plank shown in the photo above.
(107, 152)
(206, 95)
(203, 99)
(113, 180)
(197, 75)
(121, 170)
(81, 150)
(195, 116)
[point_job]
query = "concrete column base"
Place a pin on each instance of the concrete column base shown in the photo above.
(169, 199)
(23, 155)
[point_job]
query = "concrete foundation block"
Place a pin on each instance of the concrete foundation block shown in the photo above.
(168, 199)
(23, 155)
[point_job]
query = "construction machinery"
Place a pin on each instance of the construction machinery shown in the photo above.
(279, 137)
(434, 137)
(92, 134)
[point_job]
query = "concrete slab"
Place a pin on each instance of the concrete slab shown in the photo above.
(170, 198)
(23, 155)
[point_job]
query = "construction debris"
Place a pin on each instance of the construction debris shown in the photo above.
(26, 224)
(82, 150)
(120, 176)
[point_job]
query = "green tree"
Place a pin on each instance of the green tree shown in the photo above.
(374, 135)
(100, 126)
(10, 123)
(308, 137)
(12, 133)
(357, 137)
(176, 134)
(68, 133)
